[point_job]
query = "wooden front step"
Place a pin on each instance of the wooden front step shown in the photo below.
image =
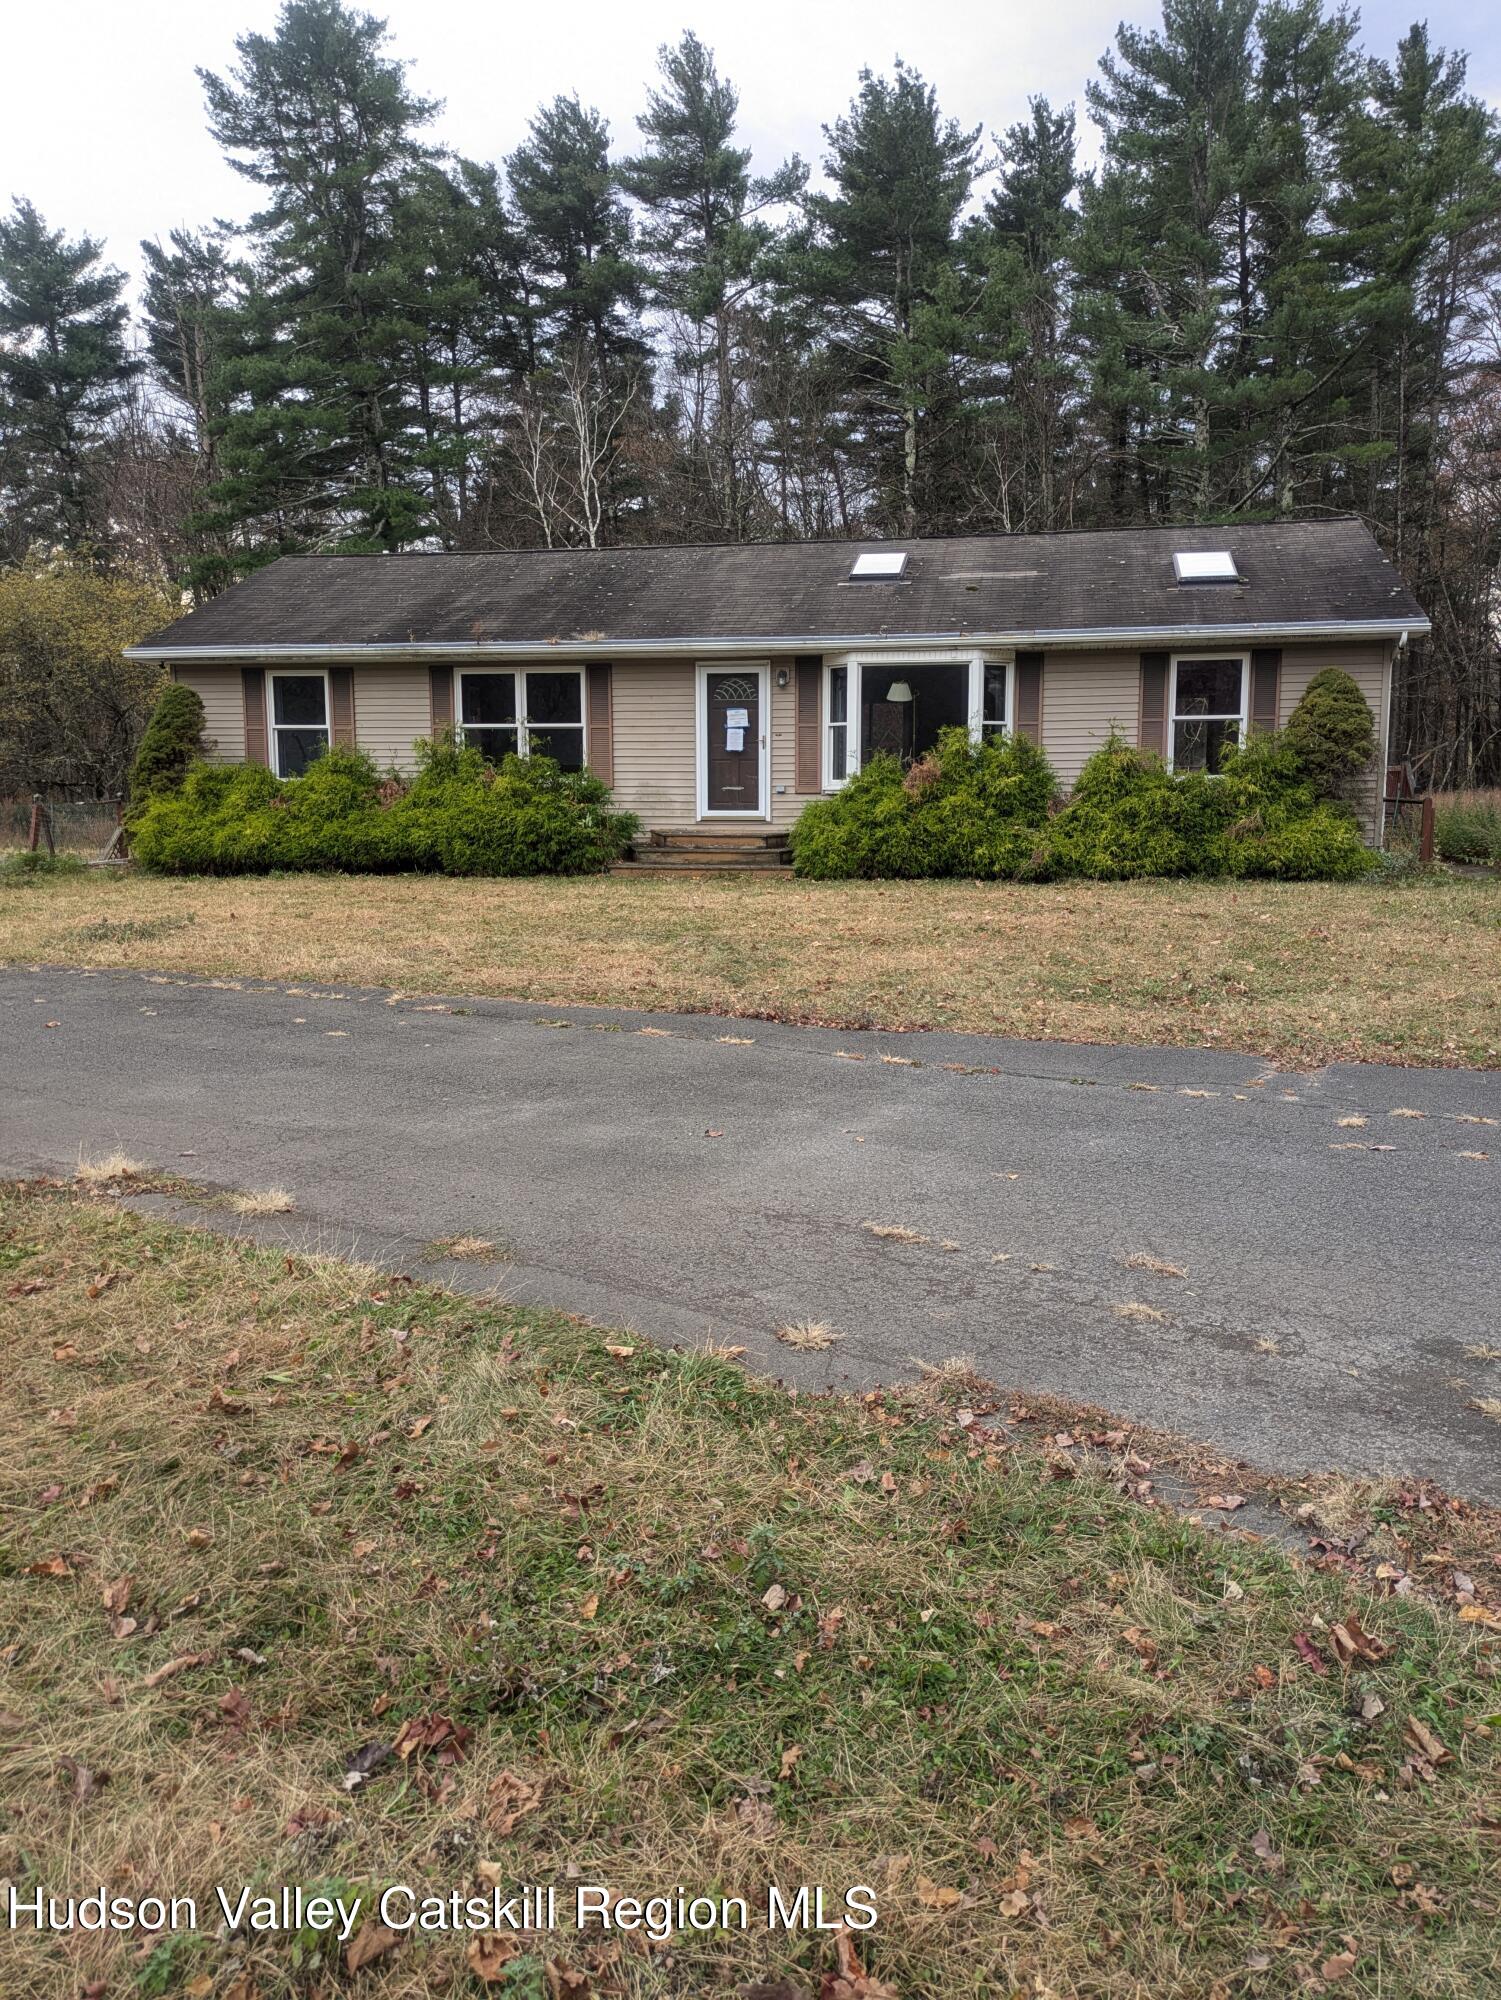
(706, 838)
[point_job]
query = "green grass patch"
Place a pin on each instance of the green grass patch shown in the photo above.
(606, 1609)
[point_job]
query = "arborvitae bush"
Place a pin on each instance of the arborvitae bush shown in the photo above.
(171, 741)
(459, 816)
(964, 809)
(989, 813)
(1332, 733)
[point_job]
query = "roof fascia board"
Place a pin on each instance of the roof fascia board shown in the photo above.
(828, 642)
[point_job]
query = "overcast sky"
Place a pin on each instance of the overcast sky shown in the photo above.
(101, 117)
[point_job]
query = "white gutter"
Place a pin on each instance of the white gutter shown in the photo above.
(763, 643)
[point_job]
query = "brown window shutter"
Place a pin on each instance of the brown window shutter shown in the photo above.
(341, 707)
(1266, 678)
(1151, 731)
(808, 761)
(601, 722)
(1029, 697)
(440, 698)
(253, 681)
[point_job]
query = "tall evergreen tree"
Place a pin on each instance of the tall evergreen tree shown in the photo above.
(1165, 247)
(320, 442)
(1024, 246)
(702, 243)
(64, 372)
(881, 262)
(585, 284)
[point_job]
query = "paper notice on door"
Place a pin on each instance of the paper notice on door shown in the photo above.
(734, 738)
(737, 718)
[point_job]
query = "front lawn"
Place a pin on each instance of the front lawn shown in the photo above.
(1396, 971)
(316, 1578)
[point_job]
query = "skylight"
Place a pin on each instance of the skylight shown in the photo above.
(873, 568)
(1205, 566)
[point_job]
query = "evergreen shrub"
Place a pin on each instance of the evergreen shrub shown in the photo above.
(458, 816)
(171, 742)
(991, 813)
(1333, 733)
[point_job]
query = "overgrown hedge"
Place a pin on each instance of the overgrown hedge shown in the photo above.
(458, 816)
(992, 812)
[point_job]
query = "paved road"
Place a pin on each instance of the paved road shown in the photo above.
(662, 1172)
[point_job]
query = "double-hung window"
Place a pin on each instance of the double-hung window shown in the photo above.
(1208, 711)
(837, 730)
(524, 712)
(995, 706)
(299, 722)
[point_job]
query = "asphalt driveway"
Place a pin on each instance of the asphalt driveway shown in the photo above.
(693, 1177)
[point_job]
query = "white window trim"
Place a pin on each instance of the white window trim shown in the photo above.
(274, 728)
(762, 670)
(1173, 718)
(523, 733)
(854, 664)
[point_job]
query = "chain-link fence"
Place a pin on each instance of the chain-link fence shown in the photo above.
(85, 827)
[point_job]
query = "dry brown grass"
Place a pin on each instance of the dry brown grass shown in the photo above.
(107, 1172)
(895, 1232)
(1147, 1260)
(1302, 972)
(809, 1336)
(262, 1201)
(475, 1249)
(264, 1510)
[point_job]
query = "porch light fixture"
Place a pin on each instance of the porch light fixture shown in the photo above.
(783, 677)
(899, 691)
(1205, 566)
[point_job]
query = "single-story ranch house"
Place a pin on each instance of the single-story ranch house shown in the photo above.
(718, 688)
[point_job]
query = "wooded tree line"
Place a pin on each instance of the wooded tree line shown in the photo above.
(1278, 293)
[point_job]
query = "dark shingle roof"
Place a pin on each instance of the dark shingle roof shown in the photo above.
(1109, 581)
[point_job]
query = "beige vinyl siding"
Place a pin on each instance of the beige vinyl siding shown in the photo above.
(1365, 661)
(654, 723)
(222, 693)
(1084, 696)
(786, 804)
(391, 710)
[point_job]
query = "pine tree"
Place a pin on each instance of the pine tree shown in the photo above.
(585, 284)
(321, 443)
(64, 373)
(880, 260)
(1166, 250)
(1023, 248)
(703, 242)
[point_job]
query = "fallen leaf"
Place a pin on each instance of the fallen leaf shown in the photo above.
(774, 1597)
(1338, 1967)
(590, 1606)
(509, 1800)
(1309, 1653)
(1226, 1503)
(934, 1897)
(1263, 1849)
(176, 1666)
(363, 1765)
(489, 1956)
(791, 1757)
(1423, 1739)
(370, 1941)
(84, 1781)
